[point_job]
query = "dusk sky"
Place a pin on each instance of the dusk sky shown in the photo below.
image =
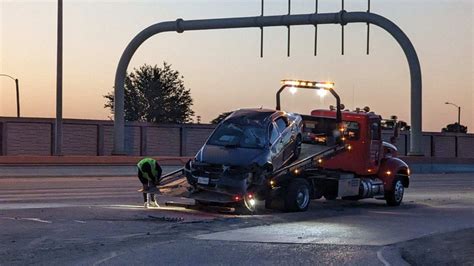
(223, 68)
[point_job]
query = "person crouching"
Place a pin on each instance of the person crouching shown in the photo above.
(149, 174)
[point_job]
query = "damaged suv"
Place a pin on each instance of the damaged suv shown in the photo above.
(233, 164)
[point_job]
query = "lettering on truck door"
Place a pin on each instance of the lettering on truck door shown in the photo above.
(375, 144)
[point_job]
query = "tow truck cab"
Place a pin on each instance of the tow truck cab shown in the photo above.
(369, 155)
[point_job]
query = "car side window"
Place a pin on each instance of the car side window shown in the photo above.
(281, 124)
(273, 134)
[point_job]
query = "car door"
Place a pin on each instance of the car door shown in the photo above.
(276, 146)
(286, 137)
(375, 144)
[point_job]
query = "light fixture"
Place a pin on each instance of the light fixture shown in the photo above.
(322, 93)
(308, 84)
(293, 90)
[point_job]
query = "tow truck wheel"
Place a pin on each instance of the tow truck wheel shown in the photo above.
(298, 196)
(395, 196)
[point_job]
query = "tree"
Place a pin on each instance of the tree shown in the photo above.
(455, 128)
(154, 94)
(221, 117)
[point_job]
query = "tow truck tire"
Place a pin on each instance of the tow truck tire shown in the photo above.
(297, 198)
(395, 196)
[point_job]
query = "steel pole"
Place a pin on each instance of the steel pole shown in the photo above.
(17, 98)
(342, 18)
(59, 84)
(278, 106)
(459, 119)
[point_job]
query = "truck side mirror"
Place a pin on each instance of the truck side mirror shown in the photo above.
(396, 132)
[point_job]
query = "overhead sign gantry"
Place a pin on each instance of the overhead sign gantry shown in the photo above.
(342, 17)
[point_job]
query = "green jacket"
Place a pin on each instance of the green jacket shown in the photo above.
(154, 169)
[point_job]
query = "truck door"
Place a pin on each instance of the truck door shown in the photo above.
(375, 144)
(276, 146)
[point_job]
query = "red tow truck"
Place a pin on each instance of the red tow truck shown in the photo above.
(367, 167)
(369, 159)
(342, 155)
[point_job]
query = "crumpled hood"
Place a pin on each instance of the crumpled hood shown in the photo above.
(228, 156)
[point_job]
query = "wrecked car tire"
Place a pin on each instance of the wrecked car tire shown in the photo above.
(297, 198)
(247, 206)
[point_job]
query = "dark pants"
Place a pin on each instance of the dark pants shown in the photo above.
(154, 182)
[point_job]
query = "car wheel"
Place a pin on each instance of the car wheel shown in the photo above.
(298, 196)
(246, 206)
(395, 196)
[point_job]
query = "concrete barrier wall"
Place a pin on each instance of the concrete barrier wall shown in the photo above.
(35, 136)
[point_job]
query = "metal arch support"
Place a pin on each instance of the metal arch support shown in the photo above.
(272, 21)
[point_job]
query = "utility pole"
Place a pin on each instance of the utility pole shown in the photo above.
(59, 84)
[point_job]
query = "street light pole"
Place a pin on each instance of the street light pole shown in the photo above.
(459, 115)
(17, 98)
(17, 93)
(59, 84)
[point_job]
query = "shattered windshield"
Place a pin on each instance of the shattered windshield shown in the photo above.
(232, 135)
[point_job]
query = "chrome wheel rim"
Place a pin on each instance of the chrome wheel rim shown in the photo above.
(399, 190)
(302, 197)
(249, 206)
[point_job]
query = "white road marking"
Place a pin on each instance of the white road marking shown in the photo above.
(27, 219)
(21, 206)
(37, 220)
(79, 221)
(381, 258)
(113, 254)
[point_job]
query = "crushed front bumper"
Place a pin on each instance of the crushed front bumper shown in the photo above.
(223, 185)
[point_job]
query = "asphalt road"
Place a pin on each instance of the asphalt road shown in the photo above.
(101, 220)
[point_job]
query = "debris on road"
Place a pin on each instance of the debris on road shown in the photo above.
(167, 219)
